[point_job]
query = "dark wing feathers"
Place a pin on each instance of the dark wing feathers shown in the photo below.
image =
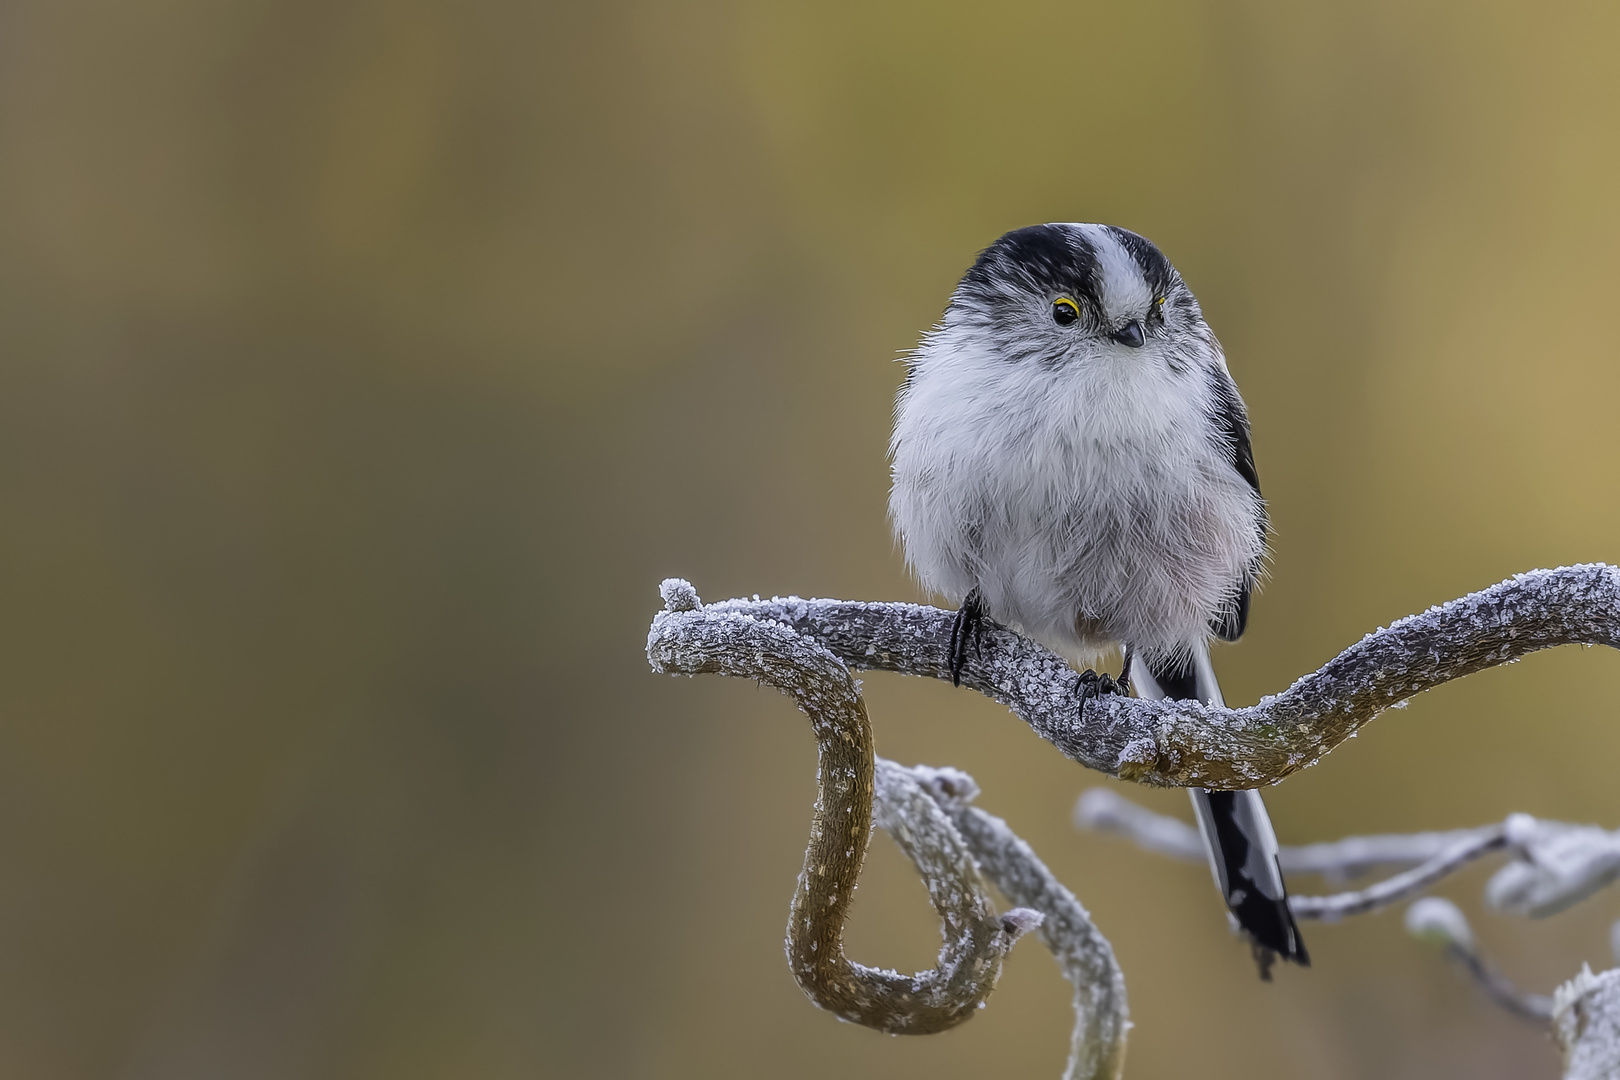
(1232, 429)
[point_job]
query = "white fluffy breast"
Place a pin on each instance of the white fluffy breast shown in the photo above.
(1088, 500)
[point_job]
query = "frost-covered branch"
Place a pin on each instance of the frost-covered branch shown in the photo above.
(1441, 854)
(927, 812)
(1437, 854)
(1584, 1012)
(1586, 1023)
(1101, 1018)
(1440, 922)
(1558, 865)
(976, 939)
(1180, 743)
(807, 649)
(1394, 889)
(1100, 809)
(849, 781)
(1555, 864)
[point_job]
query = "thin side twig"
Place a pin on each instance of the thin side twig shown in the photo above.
(1394, 889)
(1443, 853)
(1497, 987)
(1441, 922)
(1559, 864)
(1555, 864)
(1101, 810)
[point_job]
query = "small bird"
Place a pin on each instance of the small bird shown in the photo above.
(1071, 458)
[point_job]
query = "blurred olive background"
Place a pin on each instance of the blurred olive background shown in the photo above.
(365, 365)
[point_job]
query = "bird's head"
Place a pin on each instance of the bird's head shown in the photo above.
(1060, 293)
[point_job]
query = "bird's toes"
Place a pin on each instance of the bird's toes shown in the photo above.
(1107, 684)
(1090, 684)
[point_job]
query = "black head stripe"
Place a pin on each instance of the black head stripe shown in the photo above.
(1040, 259)
(1156, 269)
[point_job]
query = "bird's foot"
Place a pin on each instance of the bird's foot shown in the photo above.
(963, 628)
(1093, 685)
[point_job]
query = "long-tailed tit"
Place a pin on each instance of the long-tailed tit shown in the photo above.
(1071, 458)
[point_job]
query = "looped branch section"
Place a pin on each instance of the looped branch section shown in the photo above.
(685, 640)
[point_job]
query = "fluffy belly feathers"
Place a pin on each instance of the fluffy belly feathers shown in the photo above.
(1078, 534)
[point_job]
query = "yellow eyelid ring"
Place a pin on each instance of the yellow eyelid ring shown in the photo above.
(1064, 301)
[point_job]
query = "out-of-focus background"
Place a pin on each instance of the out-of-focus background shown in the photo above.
(365, 365)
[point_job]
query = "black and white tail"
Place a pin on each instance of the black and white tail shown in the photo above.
(1237, 831)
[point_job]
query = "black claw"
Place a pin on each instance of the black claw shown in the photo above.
(964, 627)
(1093, 685)
(1088, 689)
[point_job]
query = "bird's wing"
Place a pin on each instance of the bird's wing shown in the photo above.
(1231, 422)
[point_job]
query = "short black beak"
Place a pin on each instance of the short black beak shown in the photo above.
(1129, 334)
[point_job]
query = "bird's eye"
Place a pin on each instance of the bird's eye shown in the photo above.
(1065, 311)
(1156, 312)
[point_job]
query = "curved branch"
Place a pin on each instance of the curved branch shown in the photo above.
(1179, 743)
(1101, 810)
(1584, 1012)
(1395, 889)
(1556, 864)
(976, 939)
(1340, 860)
(1442, 853)
(1101, 1016)
(1559, 864)
(1439, 921)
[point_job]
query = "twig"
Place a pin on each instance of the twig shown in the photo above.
(1102, 810)
(1439, 921)
(1443, 853)
(1558, 865)
(1340, 860)
(1180, 743)
(1499, 989)
(1584, 1012)
(1101, 1016)
(1397, 888)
